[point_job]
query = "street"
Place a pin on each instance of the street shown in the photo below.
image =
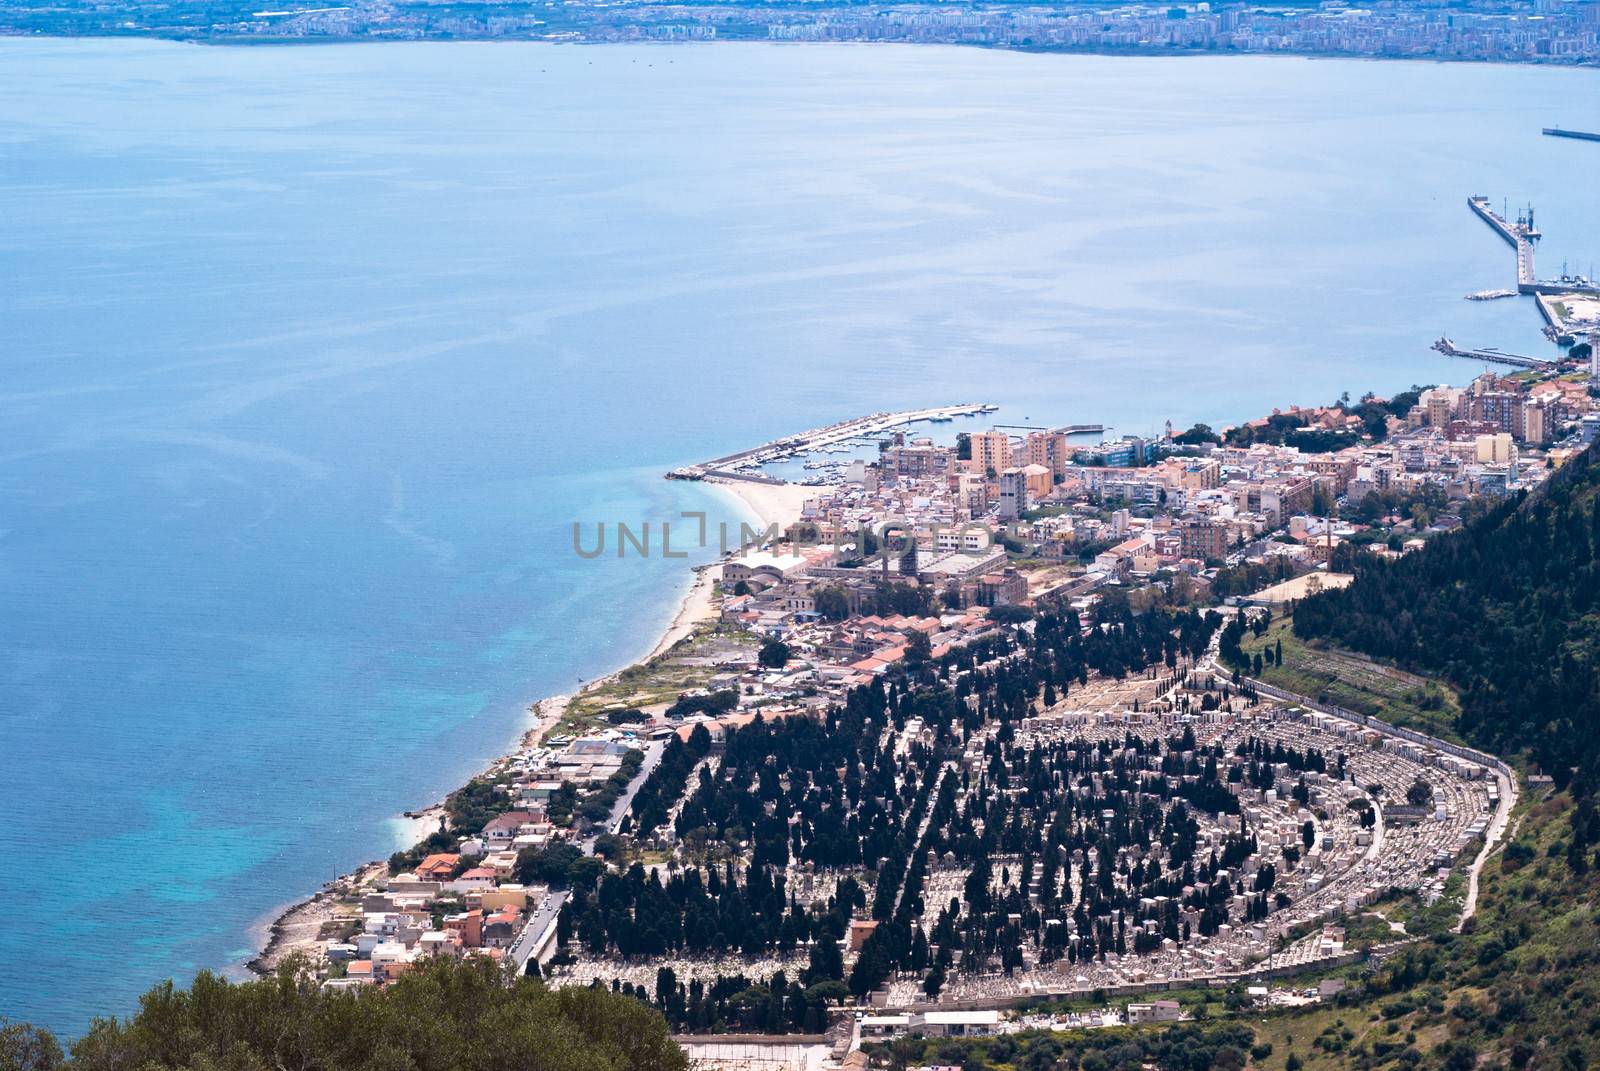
(548, 910)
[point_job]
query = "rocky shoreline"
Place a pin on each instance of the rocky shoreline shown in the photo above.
(301, 925)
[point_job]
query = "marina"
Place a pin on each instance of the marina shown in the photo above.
(834, 438)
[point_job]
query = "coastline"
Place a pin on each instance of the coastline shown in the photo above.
(770, 503)
(297, 926)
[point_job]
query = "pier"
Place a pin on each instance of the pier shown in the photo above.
(1581, 135)
(1492, 355)
(1520, 236)
(735, 466)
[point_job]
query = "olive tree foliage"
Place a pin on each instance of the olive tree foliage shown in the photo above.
(442, 1016)
(27, 1048)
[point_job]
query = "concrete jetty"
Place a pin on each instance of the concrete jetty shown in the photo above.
(735, 466)
(1520, 236)
(1492, 355)
(1065, 429)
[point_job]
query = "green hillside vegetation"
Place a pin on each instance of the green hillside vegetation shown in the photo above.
(447, 1016)
(1329, 675)
(1223, 1046)
(1507, 610)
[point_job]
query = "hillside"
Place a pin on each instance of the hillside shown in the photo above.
(1506, 610)
(1329, 675)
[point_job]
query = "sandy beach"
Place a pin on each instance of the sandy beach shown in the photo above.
(770, 503)
(299, 926)
(697, 606)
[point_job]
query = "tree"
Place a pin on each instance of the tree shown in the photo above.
(441, 1014)
(898, 1054)
(832, 602)
(626, 716)
(831, 991)
(549, 865)
(27, 1048)
(774, 654)
(1199, 433)
(934, 982)
(826, 963)
(1420, 794)
(871, 969)
(1010, 615)
(584, 873)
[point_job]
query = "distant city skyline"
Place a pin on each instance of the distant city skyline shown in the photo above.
(1519, 31)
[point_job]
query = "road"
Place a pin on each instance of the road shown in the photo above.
(539, 924)
(544, 916)
(1491, 841)
(652, 759)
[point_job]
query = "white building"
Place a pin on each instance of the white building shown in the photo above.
(956, 1024)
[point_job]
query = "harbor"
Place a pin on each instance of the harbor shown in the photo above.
(1521, 236)
(1568, 304)
(834, 438)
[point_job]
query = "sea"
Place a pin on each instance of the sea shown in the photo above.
(310, 358)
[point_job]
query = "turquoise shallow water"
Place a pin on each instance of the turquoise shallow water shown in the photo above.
(311, 357)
